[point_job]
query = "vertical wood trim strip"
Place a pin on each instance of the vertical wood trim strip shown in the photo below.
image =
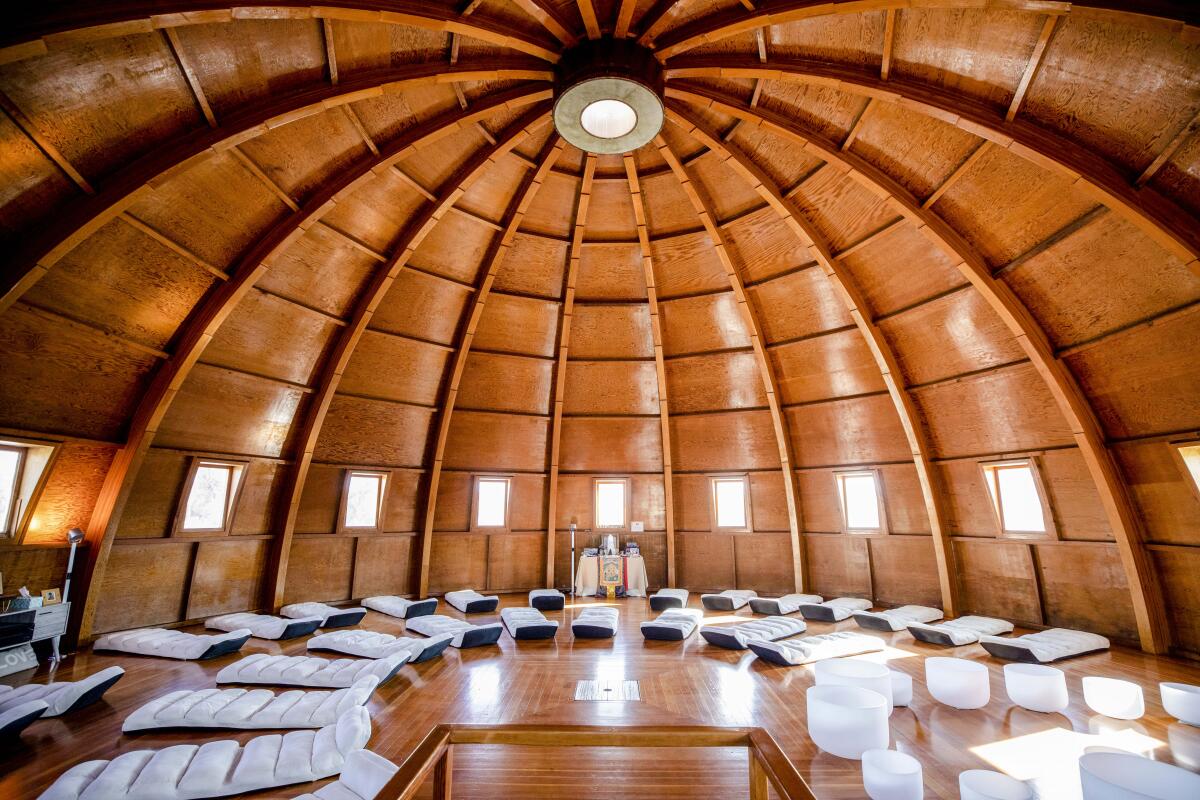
(639, 211)
(889, 36)
(750, 317)
(189, 74)
(51, 152)
(1035, 61)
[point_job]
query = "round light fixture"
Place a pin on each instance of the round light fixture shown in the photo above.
(608, 96)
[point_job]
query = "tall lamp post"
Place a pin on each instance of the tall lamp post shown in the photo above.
(74, 537)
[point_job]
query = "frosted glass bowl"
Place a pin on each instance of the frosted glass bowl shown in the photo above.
(1113, 697)
(1125, 776)
(901, 688)
(855, 672)
(1181, 701)
(846, 721)
(1036, 687)
(891, 775)
(958, 682)
(984, 784)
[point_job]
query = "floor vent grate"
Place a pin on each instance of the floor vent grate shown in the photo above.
(588, 691)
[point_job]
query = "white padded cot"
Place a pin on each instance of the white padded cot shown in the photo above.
(61, 697)
(896, 619)
(469, 601)
(673, 625)
(401, 607)
(547, 600)
(595, 622)
(163, 643)
(809, 649)
(331, 616)
(780, 606)
(835, 610)
(957, 632)
(372, 644)
(249, 709)
(736, 637)
(325, 673)
(20, 717)
(265, 626)
(461, 632)
(668, 598)
(217, 769)
(728, 600)
(363, 776)
(528, 623)
(1054, 644)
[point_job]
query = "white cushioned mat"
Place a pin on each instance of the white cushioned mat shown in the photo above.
(547, 599)
(363, 776)
(736, 637)
(728, 600)
(249, 709)
(164, 643)
(896, 619)
(778, 606)
(401, 607)
(63, 696)
(372, 644)
(265, 626)
(668, 598)
(322, 673)
(462, 633)
(595, 622)
(469, 601)
(835, 610)
(217, 769)
(528, 623)
(808, 649)
(673, 625)
(19, 717)
(957, 632)
(1051, 645)
(331, 616)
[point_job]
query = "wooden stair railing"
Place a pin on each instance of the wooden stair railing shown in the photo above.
(769, 767)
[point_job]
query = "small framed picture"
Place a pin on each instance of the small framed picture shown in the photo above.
(51, 597)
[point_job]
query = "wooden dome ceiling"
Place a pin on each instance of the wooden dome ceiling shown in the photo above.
(869, 236)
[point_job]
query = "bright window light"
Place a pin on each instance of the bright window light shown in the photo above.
(208, 500)
(608, 119)
(10, 471)
(859, 494)
(491, 507)
(1191, 460)
(610, 503)
(364, 494)
(1015, 496)
(729, 497)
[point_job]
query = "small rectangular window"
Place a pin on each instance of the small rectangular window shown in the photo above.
(364, 499)
(730, 503)
(858, 493)
(491, 502)
(1015, 497)
(210, 496)
(1190, 453)
(11, 459)
(612, 502)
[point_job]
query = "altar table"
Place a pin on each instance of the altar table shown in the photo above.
(587, 576)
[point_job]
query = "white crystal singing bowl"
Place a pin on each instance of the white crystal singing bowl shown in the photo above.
(957, 682)
(891, 775)
(1181, 701)
(1036, 687)
(1125, 776)
(855, 672)
(901, 688)
(846, 721)
(984, 784)
(1113, 697)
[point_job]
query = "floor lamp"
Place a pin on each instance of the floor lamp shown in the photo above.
(74, 537)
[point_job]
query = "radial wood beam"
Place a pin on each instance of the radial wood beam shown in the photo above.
(766, 371)
(1031, 68)
(81, 219)
(1126, 524)
(499, 251)
(75, 21)
(587, 11)
(548, 16)
(624, 18)
(639, 212)
(204, 322)
(732, 21)
(847, 288)
(1156, 215)
(566, 317)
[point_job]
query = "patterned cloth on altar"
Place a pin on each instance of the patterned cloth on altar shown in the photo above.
(587, 576)
(612, 573)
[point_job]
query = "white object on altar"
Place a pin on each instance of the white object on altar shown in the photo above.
(587, 576)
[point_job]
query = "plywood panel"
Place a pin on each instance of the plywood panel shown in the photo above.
(70, 492)
(853, 431)
(918, 150)
(506, 383)
(404, 503)
(822, 510)
(704, 561)
(375, 211)
(1098, 602)
(739, 440)
(319, 569)
(1073, 496)
(300, 156)
(228, 577)
(799, 304)
(1180, 571)
(842, 208)
(454, 502)
(903, 499)
(764, 561)
(693, 503)
(905, 571)
(422, 306)
(608, 387)
(36, 567)
(900, 268)
(611, 332)
(41, 184)
(701, 324)
(575, 501)
(496, 441)
(399, 433)
(610, 272)
(824, 367)
(714, 382)
(455, 248)
(611, 444)
(545, 213)
(687, 264)
(516, 561)
(768, 502)
(727, 192)
(518, 325)
(968, 507)
(533, 265)
(667, 207)
(321, 268)
(838, 566)
(382, 565)
(320, 500)
(527, 509)
(763, 247)
(144, 585)
(997, 580)
(617, 222)
(1164, 496)
(393, 368)
(269, 336)
(457, 561)
(821, 109)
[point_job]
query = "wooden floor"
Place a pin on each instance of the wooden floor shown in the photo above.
(692, 682)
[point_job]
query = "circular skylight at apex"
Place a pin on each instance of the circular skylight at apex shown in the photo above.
(608, 119)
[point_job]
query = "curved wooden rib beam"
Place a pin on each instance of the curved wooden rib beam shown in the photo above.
(639, 212)
(750, 317)
(513, 219)
(377, 288)
(85, 216)
(732, 21)
(203, 323)
(1161, 218)
(548, 16)
(1144, 588)
(566, 317)
(847, 288)
(84, 20)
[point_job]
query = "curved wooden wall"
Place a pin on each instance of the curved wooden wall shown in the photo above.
(314, 238)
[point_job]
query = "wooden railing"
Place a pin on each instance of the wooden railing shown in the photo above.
(435, 755)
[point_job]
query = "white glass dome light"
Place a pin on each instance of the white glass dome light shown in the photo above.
(608, 119)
